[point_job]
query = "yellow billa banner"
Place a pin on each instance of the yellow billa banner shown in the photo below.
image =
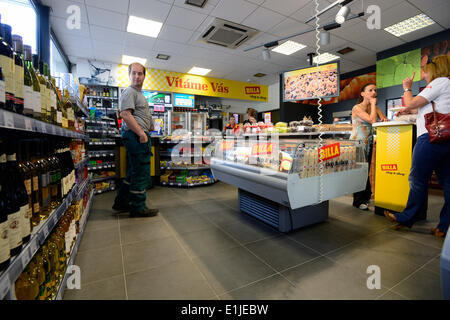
(162, 80)
(393, 164)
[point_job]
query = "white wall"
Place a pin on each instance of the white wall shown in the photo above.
(240, 106)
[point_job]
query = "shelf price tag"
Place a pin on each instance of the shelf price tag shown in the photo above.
(33, 246)
(9, 120)
(5, 284)
(28, 126)
(43, 128)
(45, 231)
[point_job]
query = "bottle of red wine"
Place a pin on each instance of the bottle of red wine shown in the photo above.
(13, 202)
(22, 188)
(5, 255)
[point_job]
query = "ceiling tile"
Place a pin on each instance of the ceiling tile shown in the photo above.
(441, 14)
(59, 27)
(59, 9)
(169, 47)
(107, 19)
(288, 27)
(258, 2)
(398, 13)
(120, 6)
(351, 32)
(107, 35)
(378, 40)
(418, 34)
(428, 4)
(209, 6)
(285, 7)
(137, 41)
(309, 10)
(149, 9)
(75, 41)
(233, 10)
(176, 34)
(184, 18)
(348, 66)
(263, 19)
(361, 55)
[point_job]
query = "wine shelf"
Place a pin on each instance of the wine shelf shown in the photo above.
(38, 237)
(15, 121)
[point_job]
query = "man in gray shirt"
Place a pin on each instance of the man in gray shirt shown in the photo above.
(135, 112)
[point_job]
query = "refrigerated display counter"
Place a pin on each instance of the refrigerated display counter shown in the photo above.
(279, 180)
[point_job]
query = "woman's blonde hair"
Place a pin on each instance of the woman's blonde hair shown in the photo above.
(438, 67)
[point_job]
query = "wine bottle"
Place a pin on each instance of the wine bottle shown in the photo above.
(5, 255)
(45, 177)
(28, 85)
(43, 71)
(12, 202)
(26, 287)
(18, 73)
(36, 86)
(7, 64)
(55, 176)
(23, 183)
(33, 164)
(2, 89)
(52, 90)
(43, 85)
(58, 104)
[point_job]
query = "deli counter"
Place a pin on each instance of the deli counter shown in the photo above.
(279, 179)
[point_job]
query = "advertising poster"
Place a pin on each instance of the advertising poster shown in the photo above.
(392, 71)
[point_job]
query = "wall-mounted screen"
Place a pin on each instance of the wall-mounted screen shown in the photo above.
(311, 82)
(154, 97)
(183, 100)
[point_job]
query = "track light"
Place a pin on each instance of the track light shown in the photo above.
(266, 54)
(324, 38)
(342, 14)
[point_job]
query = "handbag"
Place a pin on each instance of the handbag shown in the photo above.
(438, 126)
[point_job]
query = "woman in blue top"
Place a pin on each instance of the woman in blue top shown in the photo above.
(364, 114)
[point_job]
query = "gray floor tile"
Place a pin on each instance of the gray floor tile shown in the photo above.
(126, 220)
(391, 296)
(149, 254)
(281, 252)
(144, 231)
(325, 279)
(419, 234)
(204, 242)
(272, 288)
(232, 268)
(177, 211)
(101, 219)
(249, 230)
(189, 224)
(109, 289)
(174, 281)
(434, 266)
(190, 195)
(423, 285)
(99, 264)
(99, 239)
(204, 206)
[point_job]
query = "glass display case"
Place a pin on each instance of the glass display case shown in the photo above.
(177, 121)
(282, 180)
(197, 123)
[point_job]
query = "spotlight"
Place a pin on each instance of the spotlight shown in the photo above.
(342, 15)
(266, 54)
(324, 38)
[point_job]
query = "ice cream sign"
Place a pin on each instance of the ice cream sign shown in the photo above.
(330, 151)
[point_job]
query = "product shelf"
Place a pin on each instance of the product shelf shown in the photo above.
(103, 179)
(11, 120)
(74, 252)
(102, 167)
(185, 168)
(100, 97)
(102, 154)
(38, 237)
(177, 184)
(103, 190)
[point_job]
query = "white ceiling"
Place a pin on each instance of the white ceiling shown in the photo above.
(103, 33)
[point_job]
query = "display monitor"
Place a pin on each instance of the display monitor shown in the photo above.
(311, 82)
(183, 100)
(159, 98)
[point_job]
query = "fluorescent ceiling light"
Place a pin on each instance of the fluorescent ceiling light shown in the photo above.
(289, 47)
(143, 26)
(325, 57)
(199, 71)
(129, 59)
(409, 25)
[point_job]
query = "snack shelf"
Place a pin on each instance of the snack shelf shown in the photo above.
(100, 97)
(38, 236)
(102, 143)
(74, 252)
(178, 184)
(103, 179)
(108, 166)
(102, 154)
(11, 120)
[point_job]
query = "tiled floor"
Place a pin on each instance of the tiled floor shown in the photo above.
(201, 247)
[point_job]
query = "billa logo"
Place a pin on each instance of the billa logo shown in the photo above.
(389, 167)
(227, 145)
(252, 90)
(331, 151)
(262, 148)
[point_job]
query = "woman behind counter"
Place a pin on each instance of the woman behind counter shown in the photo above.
(364, 114)
(426, 156)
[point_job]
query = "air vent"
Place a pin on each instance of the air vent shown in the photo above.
(162, 56)
(346, 50)
(227, 34)
(259, 75)
(196, 3)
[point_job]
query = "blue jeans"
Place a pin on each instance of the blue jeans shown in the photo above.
(426, 158)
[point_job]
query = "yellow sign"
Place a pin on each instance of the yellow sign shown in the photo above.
(161, 80)
(262, 148)
(393, 163)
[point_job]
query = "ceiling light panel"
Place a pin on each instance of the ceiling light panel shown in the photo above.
(130, 59)
(325, 57)
(409, 25)
(289, 47)
(144, 27)
(199, 71)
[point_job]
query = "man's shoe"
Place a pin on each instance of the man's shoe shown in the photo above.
(144, 213)
(363, 206)
(121, 207)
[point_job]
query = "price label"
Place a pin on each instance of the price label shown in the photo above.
(43, 128)
(55, 219)
(28, 124)
(45, 231)
(171, 184)
(33, 247)
(5, 284)
(54, 130)
(9, 120)
(26, 257)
